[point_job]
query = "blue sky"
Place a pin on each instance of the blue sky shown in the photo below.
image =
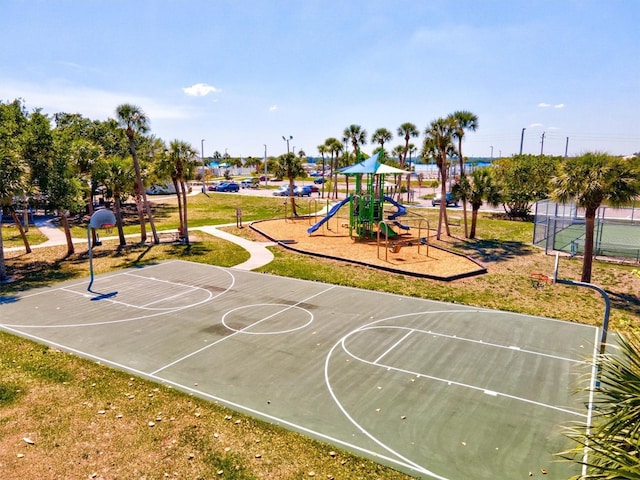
(241, 74)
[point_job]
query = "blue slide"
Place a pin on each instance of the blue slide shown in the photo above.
(331, 213)
(401, 208)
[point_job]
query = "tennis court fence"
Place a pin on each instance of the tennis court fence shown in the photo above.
(561, 227)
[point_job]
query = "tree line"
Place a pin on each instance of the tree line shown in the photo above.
(61, 162)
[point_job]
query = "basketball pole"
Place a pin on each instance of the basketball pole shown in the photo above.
(605, 296)
(605, 320)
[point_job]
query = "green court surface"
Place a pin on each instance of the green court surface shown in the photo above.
(432, 389)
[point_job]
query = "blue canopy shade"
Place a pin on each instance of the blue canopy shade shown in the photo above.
(370, 165)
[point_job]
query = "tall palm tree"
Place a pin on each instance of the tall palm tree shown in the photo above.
(357, 136)
(590, 180)
(322, 149)
(381, 136)
(117, 174)
(334, 147)
(134, 120)
(463, 120)
(290, 167)
(182, 159)
(438, 145)
(407, 131)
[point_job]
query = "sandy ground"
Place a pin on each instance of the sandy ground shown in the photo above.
(403, 253)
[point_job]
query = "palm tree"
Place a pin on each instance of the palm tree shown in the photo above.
(481, 188)
(590, 180)
(182, 158)
(334, 147)
(357, 136)
(407, 131)
(290, 167)
(118, 175)
(134, 120)
(438, 145)
(322, 149)
(252, 162)
(607, 448)
(463, 120)
(381, 136)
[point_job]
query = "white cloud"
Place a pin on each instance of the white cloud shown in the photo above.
(273, 108)
(93, 103)
(200, 90)
(536, 125)
(548, 105)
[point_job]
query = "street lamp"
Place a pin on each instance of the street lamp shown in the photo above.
(204, 187)
(491, 147)
(287, 140)
(521, 140)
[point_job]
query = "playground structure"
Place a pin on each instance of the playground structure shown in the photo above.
(366, 206)
(365, 229)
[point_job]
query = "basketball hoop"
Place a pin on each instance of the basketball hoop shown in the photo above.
(540, 280)
(102, 218)
(108, 228)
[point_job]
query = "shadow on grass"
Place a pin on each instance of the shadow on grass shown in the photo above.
(625, 301)
(493, 250)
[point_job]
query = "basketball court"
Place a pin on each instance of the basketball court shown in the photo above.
(432, 389)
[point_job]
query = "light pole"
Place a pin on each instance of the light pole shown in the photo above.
(265, 165)
(491, 147)
(287, 140)
(521, 140)
(204, 187)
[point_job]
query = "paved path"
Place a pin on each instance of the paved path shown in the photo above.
(260, 254)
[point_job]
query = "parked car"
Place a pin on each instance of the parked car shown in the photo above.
(304, 191)
(450, 198)
(319, 180)
(213, 186)
(250, 183)
(283, 191)
(228, 187)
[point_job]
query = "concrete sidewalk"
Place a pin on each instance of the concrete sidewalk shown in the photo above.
(260, 254)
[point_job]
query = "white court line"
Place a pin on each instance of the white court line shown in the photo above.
(236, 332)
(362, 430)
(479, 342)
(157, 312)
(394, 346)
(453, 382)
(592, 388)
(215, 399)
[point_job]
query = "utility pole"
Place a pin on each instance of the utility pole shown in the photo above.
(542, 144)
(265, 165)
(522, 140)
(204, 188)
